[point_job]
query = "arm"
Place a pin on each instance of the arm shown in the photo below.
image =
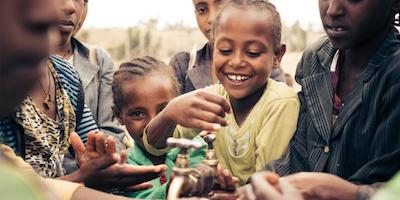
(279, 125)
(197, 109)
(105, 120)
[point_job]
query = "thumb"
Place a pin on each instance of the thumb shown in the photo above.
(78, 146)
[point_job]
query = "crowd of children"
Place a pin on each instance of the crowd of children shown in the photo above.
(336, 139)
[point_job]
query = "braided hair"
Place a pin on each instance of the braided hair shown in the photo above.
(139, 67)
(264, 6)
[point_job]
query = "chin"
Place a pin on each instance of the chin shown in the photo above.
(237, 94)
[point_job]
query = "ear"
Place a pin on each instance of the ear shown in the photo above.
(118, 115)
(279, 52)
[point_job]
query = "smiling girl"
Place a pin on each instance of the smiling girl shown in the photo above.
(253, 116)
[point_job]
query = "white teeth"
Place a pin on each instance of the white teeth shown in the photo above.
(337, 28)
(234, 77)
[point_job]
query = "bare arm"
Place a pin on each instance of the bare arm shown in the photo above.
(197, 109)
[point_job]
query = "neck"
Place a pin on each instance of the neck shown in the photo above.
(64, 49)
(242, 107)
(357, 58)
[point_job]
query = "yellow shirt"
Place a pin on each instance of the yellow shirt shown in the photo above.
(45, 188)
(263, 137)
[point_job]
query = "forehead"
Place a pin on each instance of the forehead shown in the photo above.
(208, 2)
(150, 89)
(246, 20)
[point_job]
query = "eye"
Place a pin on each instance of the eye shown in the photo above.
(201, 9)
(225, 52)
(161, 108)
(137, 115)
(253, 54)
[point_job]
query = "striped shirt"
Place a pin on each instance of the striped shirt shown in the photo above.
(71, 83)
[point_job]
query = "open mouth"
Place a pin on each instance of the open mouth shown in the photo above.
(237, 78)
(335, 29)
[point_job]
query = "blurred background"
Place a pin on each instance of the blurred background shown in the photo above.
(161, 28)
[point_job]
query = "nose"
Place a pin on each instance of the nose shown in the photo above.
(68, 7)
(237, 60)
(212, 15)
(335, 8)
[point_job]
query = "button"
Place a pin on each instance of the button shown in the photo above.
(326, 149)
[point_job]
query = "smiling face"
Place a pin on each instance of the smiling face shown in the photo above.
(24, 45)
(244, 52)
(70, 12)
(349, 23)
(143, 98)
(206, 11)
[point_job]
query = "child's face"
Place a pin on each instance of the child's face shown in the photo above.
(24, 45)
(70, 12)
(350, 23)
(243, 51)
(143, 99)
(206, 11)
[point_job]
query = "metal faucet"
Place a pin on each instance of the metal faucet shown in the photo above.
(193, 182)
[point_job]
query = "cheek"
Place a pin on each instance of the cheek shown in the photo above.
(135, 128)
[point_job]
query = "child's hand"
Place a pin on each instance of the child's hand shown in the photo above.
(225, 179)
(101, 168)
(198, 109)
(269, 186)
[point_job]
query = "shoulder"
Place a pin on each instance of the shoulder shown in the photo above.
(316, 46)
(279, 91)
(62, 66)
(180, 61)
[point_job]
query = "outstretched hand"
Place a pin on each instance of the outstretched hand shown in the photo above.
(101, 168)
(198, 109)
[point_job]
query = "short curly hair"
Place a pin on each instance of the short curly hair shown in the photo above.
(264, 6)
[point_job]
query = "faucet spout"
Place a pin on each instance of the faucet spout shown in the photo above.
(176, 187)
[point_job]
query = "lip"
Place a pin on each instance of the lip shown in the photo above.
(66, 26)
(336, 29)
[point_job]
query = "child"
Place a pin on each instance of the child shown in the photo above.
(261, 113)
(349, 121)
(194, 71)
(141, 89)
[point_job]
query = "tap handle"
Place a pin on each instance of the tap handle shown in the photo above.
(183, 143)
(210, 138)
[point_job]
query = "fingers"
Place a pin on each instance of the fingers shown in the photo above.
(123, 157)
(209, 117)
(110, 143)
(263, 189)
(100, 143)
(78, 146)
(219, 100)
(91, 142)
(207, 126)
(142, 186)
(230, 180)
